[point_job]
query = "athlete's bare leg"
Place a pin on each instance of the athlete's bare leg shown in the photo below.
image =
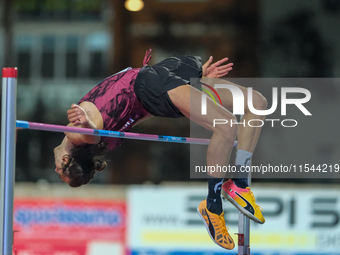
(247, 140)
(247, 136)
(188, 100)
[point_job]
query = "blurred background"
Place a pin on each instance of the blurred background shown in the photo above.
(63, 48)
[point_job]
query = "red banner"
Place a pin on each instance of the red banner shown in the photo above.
(69, 227)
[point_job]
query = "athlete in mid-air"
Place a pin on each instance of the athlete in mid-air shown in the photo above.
(124, 99)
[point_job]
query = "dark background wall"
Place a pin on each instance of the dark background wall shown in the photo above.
(64, 48)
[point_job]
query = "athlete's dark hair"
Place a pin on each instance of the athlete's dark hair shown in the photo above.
(84, 162)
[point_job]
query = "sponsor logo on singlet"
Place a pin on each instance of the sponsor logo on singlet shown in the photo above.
(128, 123)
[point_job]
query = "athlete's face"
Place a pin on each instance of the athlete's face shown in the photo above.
(61, 174)
(58, 161)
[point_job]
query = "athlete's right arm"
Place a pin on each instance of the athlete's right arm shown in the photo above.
(78, 117)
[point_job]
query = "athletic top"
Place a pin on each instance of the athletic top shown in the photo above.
(115, 99)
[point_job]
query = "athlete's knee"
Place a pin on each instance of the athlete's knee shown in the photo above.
(259, 101)
(226, 128)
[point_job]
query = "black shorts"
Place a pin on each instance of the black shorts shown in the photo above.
(153, 83)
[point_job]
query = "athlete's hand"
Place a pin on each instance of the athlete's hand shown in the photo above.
(77, 115)
(216, 70)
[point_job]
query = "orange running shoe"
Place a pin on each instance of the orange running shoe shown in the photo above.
(243, 200)
(215, 225)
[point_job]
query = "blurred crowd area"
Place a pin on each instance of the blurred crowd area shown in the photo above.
(63, 48)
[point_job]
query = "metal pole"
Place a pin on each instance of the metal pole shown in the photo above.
(247, 226)
(240, 234)
(244, 227)
(244, 231)
(9, 84)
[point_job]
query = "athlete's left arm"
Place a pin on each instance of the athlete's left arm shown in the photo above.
(216, 70)
(79, 118)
